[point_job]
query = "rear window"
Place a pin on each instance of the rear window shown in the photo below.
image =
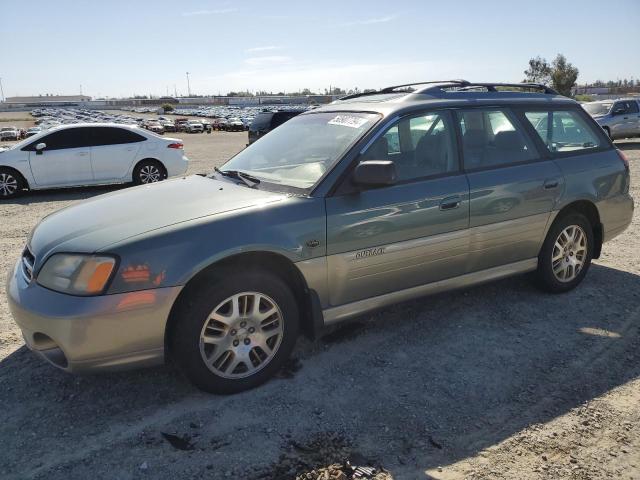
(563, 130)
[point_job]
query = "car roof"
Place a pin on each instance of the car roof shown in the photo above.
(455, 93)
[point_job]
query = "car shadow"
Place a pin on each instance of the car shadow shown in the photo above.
(415, 386)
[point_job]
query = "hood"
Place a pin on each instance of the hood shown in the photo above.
(106, 219)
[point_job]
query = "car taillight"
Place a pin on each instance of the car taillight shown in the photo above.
(623, 157)
(175, 145)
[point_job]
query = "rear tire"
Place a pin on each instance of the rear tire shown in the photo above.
(11, 184)
(149, 171)
(234, 332)
(566, 254)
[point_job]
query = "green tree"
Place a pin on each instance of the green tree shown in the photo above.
(167, 107)
(563, 75)
(539, 71)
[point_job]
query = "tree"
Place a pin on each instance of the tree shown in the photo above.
(539, 71)
(563, 75)
(167, 107)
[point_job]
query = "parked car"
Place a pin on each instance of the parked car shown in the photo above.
(153, 126)
(89, 154)
(33, 131)
(194, 126)
(168, 125)
(9, 133)
(234, 125)
(181, 124)
(264, 122)
(219, 124)
(375, 199)
(619, 118)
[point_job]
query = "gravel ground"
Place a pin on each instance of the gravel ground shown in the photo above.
(498, 381)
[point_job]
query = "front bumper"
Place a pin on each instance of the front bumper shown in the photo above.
(85, 334)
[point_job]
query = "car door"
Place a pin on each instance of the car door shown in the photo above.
(113, 151)
(630, 118)
(513, 189)
(622, 119)
(66, 159)
(414, 232)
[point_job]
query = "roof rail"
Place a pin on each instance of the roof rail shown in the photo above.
(393, 88)
(491, 87)
(460, 85)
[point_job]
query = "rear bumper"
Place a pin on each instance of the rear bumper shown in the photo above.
(177, 167)
(86, 334)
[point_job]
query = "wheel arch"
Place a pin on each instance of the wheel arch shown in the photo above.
(589, 210)
(23, 177)
(271, 262)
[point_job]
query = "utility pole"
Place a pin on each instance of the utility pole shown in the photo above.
(175, 91)
(80, 89)
(1, 91)
(188, 85)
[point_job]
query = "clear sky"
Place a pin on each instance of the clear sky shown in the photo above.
(120, 48)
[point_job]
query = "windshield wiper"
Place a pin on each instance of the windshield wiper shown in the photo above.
(249, 180)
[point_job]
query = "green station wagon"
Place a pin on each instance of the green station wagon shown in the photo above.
(374, 199)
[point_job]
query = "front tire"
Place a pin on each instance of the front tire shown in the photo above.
(11, 184)
(566, 254)
(234, 332)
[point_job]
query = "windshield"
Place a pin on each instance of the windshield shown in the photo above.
(597, 108)
(299, 152)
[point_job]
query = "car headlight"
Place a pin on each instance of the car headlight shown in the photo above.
(77, 274)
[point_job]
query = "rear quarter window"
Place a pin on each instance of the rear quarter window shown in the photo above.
(563, 130)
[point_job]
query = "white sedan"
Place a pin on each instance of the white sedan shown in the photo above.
(89, 154)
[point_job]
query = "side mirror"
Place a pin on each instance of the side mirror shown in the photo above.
(375, 173)
(40, 147)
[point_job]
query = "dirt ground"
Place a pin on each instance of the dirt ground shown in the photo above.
(497, 381)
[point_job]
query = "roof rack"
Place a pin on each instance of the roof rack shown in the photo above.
(459, 85)
(492, 87)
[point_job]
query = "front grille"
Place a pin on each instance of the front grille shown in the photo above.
(28, 260)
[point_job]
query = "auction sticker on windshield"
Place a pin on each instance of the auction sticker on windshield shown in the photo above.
(348, 121)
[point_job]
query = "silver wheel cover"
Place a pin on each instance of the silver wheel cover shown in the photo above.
(569, 253)
(150, 174)
(8, 184)
(241, 335)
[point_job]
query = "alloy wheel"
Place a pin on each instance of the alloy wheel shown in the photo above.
(8, 184)
(569, 253)
(241, 335)
(150, 174)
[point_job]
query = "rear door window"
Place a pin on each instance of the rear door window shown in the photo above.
(493, 137)
(113, 136)
(563, 130)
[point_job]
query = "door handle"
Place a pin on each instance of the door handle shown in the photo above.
(450, 203)
(551, 184)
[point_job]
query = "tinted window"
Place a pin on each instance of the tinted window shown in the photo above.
(113, 136)
(261, 121)
(492, 138)
(563, 130)
(67, 138)
(420, 146)
(632, 107)
(280, 118)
